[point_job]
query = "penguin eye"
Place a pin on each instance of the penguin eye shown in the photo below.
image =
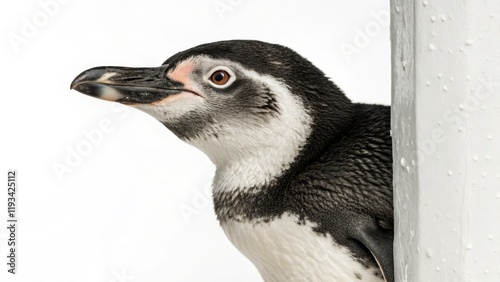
(220, 77)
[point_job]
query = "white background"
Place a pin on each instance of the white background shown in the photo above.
(116, 213)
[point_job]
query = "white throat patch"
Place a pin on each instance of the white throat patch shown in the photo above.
(253, 155)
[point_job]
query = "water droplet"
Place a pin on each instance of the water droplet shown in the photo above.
(488, 158)
(398, 9)
(443, 260)
(408, 169)
(469, 247)
(452, 78)
(443, 18)
(475, 158)
(489, 137)
(432, 47)
(469, 42)
(486, 271)
(492, 15)
(468, 77)
(427, 83)
(440, 75)
(484, 173)
(429, 253)
(450, 173)
(412, 233)
(450, 51)
(403, 161)
(413, 162)
(474, 182)
(445, 88)
(425, 3)
(460, 129)
(437, 268)
(447, 216)
(433, 19)
(497, 195)
(490, 236)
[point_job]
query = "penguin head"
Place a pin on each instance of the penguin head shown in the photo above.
(230, 97)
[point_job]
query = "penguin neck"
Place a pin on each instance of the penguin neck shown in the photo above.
(249, 155)
(250, 164)
(252, 170)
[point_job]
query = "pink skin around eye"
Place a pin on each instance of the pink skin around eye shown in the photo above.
(181, 74)
(182, 71)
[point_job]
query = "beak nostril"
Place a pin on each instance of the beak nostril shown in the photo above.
(130, 78)
(137, 78)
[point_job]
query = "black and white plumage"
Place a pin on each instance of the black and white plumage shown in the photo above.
(303, 183)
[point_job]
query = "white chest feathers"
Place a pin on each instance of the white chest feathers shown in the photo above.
(282, 250)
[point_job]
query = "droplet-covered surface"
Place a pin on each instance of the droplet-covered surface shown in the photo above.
(448, 219)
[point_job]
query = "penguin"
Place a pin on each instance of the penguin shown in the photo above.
(303, 182)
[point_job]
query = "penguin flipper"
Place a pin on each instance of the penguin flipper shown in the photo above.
(380, 243)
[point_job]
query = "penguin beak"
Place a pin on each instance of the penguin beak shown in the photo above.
(127, 85)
